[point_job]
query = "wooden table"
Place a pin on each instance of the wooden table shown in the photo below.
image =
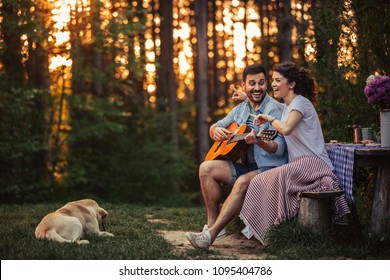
(380, 158)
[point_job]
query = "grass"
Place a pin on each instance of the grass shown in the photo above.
(293, 241)
(137, 239)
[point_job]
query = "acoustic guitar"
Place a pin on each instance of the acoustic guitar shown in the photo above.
(233, 148)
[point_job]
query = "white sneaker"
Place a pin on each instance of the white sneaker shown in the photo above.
(222, 234)
(199, 240)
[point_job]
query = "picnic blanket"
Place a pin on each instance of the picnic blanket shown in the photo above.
(274, 196)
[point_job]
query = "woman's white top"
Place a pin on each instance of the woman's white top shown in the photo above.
(307, 138)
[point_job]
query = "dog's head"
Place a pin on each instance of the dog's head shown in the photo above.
(102, 217)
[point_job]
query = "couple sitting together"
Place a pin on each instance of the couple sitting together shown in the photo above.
(268, 182)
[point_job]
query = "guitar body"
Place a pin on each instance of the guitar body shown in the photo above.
(226, 150)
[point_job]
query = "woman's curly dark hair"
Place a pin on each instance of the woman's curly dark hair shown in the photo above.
(304, 83)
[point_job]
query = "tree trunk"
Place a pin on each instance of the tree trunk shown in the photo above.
(11, 32)
(201, 85)
(97, 49)
(327, 38)
(284, 22)
(166, 83)
(265, 42)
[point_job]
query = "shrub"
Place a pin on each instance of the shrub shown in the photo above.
(23, 147)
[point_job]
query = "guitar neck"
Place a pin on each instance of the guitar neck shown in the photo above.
(263, 134)
(238, 137)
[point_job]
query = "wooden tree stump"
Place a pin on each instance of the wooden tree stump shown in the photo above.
(380, 217)
(315, 210)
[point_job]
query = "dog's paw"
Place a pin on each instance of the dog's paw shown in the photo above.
(105, 233)
(81, 242)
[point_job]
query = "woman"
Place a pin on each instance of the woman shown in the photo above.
(274, 196)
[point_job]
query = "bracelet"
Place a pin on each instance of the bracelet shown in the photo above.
(271, 119)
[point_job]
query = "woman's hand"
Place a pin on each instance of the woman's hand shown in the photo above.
(261, 118)
(238, 95)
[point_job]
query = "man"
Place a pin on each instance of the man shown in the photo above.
(261, 156)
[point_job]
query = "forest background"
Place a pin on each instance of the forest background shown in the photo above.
(112, 99)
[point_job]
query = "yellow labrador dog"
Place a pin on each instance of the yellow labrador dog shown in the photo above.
(72, 222)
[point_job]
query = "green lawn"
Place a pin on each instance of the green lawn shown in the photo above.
(137, 239)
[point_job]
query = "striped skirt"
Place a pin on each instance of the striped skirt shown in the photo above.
(273, 196)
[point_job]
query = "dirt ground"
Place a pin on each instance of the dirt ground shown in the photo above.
(233, 246)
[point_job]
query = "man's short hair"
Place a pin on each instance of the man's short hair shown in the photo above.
(253, 69)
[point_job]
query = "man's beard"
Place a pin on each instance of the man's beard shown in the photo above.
(257, 100)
